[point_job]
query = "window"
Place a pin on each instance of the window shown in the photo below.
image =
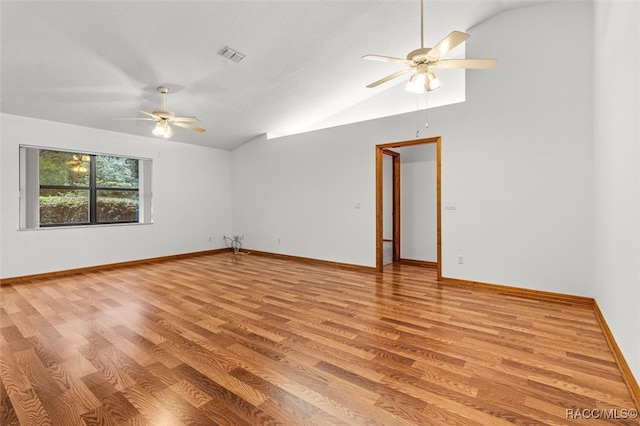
(64, 188)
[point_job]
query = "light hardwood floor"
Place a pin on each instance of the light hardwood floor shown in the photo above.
(252, 340)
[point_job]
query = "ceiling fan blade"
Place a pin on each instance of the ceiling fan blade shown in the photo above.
(446, 44)
(177, 119)
(387, 59)
(389, 77)
(466, 63)
(155, 117)
(134, 118)
(190, 127)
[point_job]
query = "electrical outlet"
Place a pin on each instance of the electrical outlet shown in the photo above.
(210, 238)
(279, 241)
(460, 260)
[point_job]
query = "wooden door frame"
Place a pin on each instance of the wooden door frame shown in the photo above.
(395, 175)
(379, 181)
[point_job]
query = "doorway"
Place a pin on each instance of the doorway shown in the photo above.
(386, 151)
(390, 207)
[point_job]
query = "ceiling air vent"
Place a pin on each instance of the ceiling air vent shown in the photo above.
(231, 54)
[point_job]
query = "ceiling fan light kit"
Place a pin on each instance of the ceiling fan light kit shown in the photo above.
(422, 60)
(423, 79)
(163, 129)
(164, 119)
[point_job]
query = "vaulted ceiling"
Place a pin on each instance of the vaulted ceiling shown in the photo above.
(86, 62)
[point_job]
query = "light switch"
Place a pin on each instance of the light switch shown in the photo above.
(450, 205)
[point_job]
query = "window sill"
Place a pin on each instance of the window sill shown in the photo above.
(103, 225)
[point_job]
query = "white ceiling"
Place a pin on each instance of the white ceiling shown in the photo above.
(86, 62)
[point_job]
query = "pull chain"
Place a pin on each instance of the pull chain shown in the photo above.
(426, 114)
(426, 111)
(417, 116)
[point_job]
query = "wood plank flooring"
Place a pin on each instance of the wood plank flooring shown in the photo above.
(253, 340)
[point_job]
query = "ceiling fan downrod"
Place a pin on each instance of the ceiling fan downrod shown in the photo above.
(163, 92)
(422, 24)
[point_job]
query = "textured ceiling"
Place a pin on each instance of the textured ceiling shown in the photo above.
(86, 62)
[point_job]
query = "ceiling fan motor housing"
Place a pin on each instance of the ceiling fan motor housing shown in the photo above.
(421, 56)
(165, 115)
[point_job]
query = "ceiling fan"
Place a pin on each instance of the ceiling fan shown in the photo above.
(163, 118)
(424, 59)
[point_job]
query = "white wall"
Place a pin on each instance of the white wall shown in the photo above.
(418, 203)
(191, 201)
(517, 159)
(296, 195)
(519, 162)
(616, 176)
